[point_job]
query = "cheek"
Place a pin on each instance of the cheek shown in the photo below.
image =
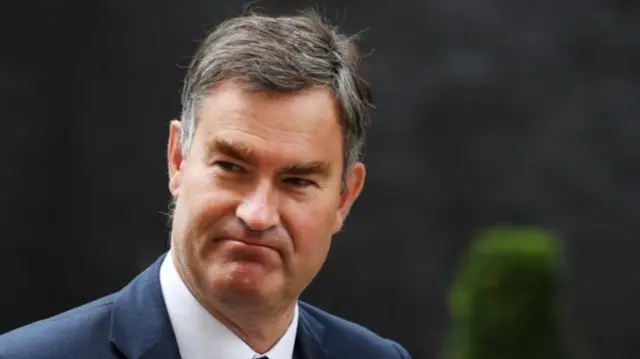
(312, 240)
(205, 201)
(200, 205)
(312, 231)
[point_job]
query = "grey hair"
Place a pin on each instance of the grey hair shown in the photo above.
(282, 54)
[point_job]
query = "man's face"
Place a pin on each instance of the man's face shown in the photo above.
(258, 196)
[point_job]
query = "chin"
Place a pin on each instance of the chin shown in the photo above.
(248, 280)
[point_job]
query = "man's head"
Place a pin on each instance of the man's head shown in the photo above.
(264, 164)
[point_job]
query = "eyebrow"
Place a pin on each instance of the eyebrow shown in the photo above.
(244, 154)
(236, 151)
(316, 168)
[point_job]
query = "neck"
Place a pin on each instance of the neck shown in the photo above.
(260, 329)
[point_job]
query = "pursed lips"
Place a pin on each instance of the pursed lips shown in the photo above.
(255, 243)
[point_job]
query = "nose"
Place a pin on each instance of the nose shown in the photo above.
(258, 209)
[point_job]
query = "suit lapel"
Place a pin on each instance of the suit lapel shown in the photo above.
(140, 325)
(309, 337)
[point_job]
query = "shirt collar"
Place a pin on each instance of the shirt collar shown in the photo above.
(200, 335)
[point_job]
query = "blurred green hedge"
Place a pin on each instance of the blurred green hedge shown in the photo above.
(506, 302)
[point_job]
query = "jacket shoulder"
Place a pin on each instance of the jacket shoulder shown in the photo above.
(353, 340)
(64, 335)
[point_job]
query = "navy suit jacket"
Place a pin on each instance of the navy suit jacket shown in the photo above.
(133, 324)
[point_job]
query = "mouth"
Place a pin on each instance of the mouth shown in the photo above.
(241, 242)
(245, 251)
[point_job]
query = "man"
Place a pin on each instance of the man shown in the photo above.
(263, 169)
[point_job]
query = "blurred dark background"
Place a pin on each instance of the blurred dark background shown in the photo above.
(488, 112)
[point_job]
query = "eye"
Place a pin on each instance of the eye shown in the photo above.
(299, 182)
(229, 167)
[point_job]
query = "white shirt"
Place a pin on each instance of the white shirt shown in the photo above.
(200, 335)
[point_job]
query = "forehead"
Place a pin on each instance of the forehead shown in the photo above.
(290, 125)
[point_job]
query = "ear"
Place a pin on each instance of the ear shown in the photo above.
(174, 157)
(354, 183)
